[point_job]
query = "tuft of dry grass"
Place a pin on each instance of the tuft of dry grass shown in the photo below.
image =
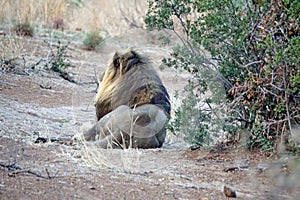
(12, 47)
(12, 51)
(125, 160)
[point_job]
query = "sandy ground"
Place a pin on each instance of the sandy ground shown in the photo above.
(38, 103)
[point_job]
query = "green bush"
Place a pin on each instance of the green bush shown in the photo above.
(252, 49)
(92, 40)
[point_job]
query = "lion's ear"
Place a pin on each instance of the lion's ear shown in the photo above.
(128, 60)
(116, 59)
(132, 61)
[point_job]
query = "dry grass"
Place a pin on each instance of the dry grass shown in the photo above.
(109, 17)
(25, 53)
(50, 13)
(34, 11)
(12, 47)
(125, 160)
(15, 51)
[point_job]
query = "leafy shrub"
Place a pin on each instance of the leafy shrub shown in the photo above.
(251, 48)
(92, 40)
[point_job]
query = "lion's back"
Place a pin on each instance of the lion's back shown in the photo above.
(141, 86)
(130, 80)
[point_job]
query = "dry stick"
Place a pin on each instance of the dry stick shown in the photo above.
(29, 172)
(48, 174)
(10, 166)
(18, 170)
(287, 105)
(187, 42)
(96, 79)
(281, 136)
(251, 63)
(227, 169)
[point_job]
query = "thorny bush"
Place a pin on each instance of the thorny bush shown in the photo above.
(249, 48)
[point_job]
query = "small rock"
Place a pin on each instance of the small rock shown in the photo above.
(229, 192)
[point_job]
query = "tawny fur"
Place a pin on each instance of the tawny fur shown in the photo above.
(130, 81)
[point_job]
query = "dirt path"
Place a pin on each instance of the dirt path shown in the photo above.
(41, 104)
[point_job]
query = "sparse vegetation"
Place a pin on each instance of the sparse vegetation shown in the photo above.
(24, 29)
(92, 40)
(43, 12)
(58, 59)
(12, 49)
(128, 159)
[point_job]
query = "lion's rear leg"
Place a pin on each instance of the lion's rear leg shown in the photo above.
(141, 127)
(105, 133)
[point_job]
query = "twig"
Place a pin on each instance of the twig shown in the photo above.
(232, 168)
(10, 166)
(28, 172)
(287, 105)
(96, 78)
(45, 87)
(65, 141)
(18, 170)
(251, 63)
(264, 90)
(67, 76)
(48, 174)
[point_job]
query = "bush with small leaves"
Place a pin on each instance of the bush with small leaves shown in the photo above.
(92, 40)
(249, 47)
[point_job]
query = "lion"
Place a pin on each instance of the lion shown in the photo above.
(132, 105)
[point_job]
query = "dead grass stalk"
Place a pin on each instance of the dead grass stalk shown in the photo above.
(126, 159)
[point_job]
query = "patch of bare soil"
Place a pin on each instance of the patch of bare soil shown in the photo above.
(40, 105)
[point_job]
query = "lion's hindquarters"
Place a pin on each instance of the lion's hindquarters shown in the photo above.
(141, 127)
